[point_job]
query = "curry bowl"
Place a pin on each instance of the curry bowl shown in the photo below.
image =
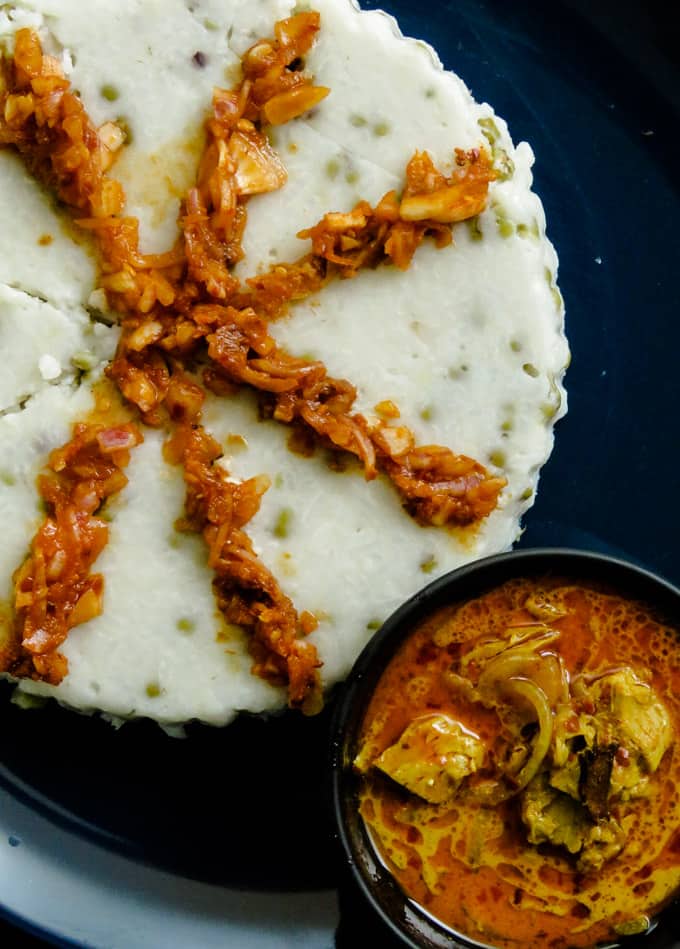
(505, 759)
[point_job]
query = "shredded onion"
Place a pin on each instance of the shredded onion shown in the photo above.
(55, 588)
(545, 671)
(537, 698)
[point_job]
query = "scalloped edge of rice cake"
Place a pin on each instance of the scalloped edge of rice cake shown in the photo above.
(485, 327)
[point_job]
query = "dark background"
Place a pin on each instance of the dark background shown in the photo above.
(595, 88)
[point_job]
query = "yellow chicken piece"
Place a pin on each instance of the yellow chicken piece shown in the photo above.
(432, 756)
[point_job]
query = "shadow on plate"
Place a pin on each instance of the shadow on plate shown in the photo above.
(242, 806)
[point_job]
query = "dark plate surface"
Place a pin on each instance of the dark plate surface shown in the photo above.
(597, 95)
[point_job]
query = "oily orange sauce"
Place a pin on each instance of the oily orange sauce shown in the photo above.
(471, 866)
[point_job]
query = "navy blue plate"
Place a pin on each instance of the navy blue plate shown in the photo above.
(594, 89)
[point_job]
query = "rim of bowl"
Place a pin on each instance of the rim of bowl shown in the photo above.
(412, 923)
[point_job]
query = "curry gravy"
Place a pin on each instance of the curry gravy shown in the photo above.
(471, 865)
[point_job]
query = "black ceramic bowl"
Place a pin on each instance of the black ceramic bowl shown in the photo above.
(402, 915)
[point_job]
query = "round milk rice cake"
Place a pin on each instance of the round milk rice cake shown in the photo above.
(468, 343)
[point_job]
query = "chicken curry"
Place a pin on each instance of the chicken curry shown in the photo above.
(520, 774)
